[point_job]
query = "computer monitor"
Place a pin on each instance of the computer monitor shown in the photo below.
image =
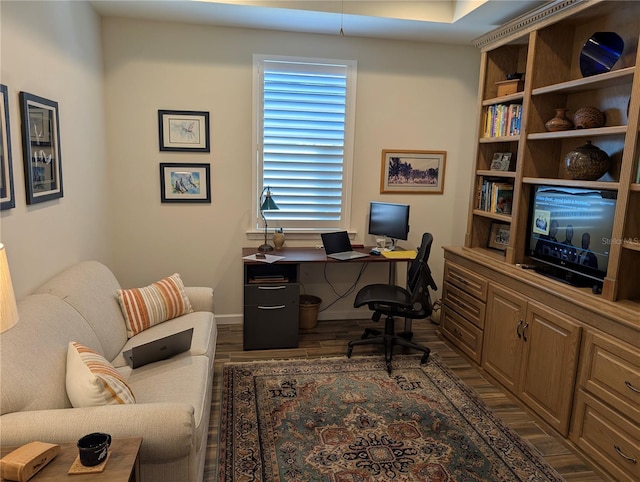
(389, 220)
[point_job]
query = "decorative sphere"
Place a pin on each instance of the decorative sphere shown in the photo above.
(588, 118)
(586, 162)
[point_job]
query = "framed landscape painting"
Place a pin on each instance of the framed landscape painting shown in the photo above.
(412, 172)
(185, 183)
(183, 130)
(41, 148)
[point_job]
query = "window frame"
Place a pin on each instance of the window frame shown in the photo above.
(302, 228)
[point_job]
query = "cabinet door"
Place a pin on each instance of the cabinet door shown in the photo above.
(551, 344)
(502, 346)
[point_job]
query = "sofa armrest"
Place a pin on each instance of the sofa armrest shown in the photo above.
(167, 429)
(201, 297)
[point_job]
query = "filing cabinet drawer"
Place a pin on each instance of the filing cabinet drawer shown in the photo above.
(462, 333)
(608, 438)
(268, 327)
(611, 371)
(466, 280)
(270, 294)
(466, 305)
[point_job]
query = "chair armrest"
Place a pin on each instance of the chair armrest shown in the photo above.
(201, 297)
(172, 438)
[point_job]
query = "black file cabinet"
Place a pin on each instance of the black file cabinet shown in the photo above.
(271, 295)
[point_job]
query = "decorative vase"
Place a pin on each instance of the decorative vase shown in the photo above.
(560, 122)
(588, 118)
(278, 238)
(586, 162)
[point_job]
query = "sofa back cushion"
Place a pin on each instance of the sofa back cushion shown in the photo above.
(33, 354)
(90, 287)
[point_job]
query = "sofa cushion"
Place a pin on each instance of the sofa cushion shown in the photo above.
(92, 381)
(163, 300)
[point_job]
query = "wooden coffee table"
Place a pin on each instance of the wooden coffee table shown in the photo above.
(123, 464)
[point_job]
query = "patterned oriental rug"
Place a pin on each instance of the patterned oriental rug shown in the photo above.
(347, 420)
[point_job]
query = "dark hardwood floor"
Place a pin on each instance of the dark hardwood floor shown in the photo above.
(329, 338)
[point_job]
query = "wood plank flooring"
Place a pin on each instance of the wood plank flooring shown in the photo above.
(329, 338)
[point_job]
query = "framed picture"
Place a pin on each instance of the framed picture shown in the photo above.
(41, 148)
(185, 183)
(412, 172)
(7, 199)
(183, 130)
(501, 161)
(499, 236)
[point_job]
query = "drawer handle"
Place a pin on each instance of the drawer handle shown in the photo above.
(272, 287)
(621, 454)
(276, 307)
(518, 329)
(524, 331)
(631, 387)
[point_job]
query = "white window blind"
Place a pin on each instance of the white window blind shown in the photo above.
(304, 140)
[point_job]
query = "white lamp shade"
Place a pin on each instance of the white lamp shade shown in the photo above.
(8, 306)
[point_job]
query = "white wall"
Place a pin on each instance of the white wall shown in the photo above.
(410, 96)
(52, 49)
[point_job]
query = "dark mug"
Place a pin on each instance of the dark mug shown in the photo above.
(93, 448)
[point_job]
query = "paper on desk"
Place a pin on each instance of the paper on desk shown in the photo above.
(409, 254)
(269, 258)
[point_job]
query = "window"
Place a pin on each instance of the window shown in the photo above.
(304, 138)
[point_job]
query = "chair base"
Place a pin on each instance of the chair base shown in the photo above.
(389, 339)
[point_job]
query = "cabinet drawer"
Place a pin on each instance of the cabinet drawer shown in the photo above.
(608, 438)
(268, 327)
(463, 334)
(466, 305)
(611, 371)
(466, 280)
(271, 294)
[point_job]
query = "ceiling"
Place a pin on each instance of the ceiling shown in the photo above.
(445, 21)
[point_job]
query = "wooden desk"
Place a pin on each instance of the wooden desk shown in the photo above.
(123, 464)
(271, 305)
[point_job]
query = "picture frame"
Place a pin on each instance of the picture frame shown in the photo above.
(412, 172)
(501, 161)
(41, 148)
(185, 183)
(183, 131)
(7, 198)
(499, 236)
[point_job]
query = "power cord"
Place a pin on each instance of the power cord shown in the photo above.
(350, 290)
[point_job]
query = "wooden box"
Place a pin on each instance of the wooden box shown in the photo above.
(507, 87)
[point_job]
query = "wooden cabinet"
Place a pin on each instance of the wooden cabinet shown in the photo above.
(463, 313)
(608, 405)
(545, 46)
(532, 351)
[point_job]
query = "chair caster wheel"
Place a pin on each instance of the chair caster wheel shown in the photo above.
(364, 336)
(349, 351)
(424, 358)
(389, 368)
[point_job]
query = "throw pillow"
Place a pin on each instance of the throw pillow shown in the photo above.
(92, 381)
(161, 301)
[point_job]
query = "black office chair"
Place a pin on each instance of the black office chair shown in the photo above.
(413, 302)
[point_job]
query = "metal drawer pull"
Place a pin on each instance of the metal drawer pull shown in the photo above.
(631, 387)
(621, 454)
(276, 307)
(524, 331)
(272, 287)
(518, 329)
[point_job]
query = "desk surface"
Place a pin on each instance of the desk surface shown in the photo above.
(317, 255)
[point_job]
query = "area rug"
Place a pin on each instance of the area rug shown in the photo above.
(347, 420)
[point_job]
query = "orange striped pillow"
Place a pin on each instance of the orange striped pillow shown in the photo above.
(92, 381)
(161, 301)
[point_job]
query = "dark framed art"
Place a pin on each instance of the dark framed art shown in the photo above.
(412, 172)
(183, 130)
(41, 148)
(499, 236)
(7, 199)
(185, 183)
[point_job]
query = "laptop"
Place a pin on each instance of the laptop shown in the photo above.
(159, 349)
(338, 246)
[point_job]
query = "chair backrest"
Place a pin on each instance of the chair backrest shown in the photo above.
(420, 280)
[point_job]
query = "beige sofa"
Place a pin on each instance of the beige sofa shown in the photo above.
(173, 397)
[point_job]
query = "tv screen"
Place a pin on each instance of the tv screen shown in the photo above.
(389, 220)
(570, 229)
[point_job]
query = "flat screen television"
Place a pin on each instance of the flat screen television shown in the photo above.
(389, 220)
(569, 232)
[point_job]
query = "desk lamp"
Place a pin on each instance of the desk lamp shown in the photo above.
(267, 205)
(8, 306)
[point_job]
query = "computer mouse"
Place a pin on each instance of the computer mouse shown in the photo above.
(374, 252)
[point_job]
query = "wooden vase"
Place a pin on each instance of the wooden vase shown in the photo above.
(560, 122)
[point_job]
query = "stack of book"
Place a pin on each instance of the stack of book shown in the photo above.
(495, 196)
(502, 120)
